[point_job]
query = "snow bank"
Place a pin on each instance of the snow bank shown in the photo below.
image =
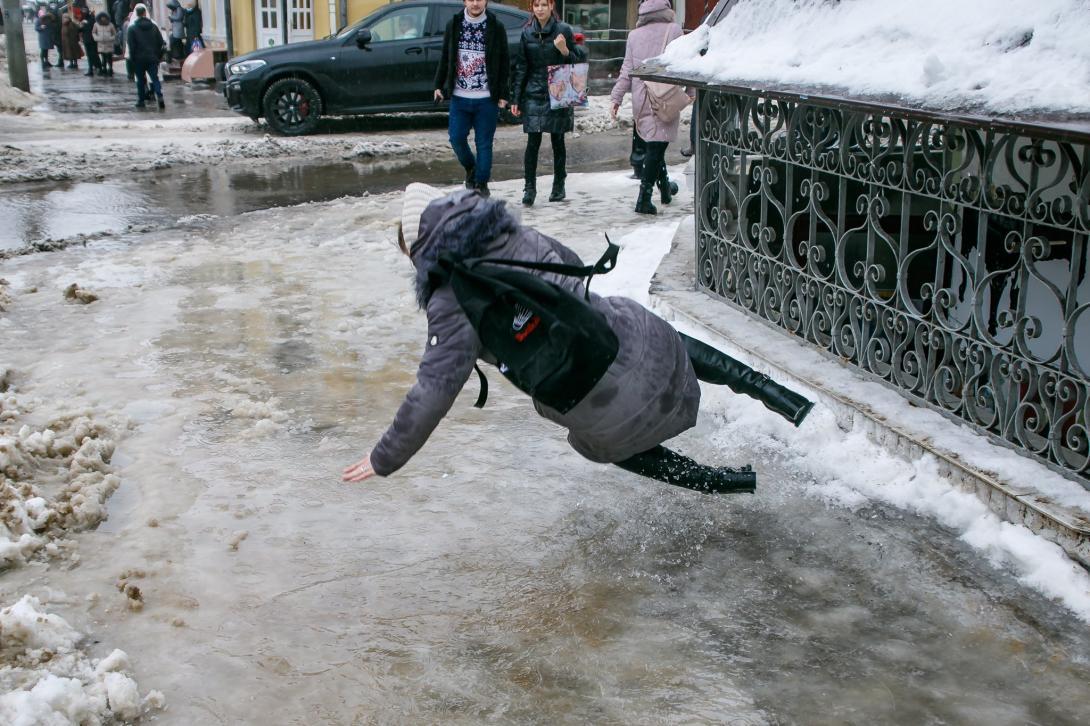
(53, 481)
(819, 450)
(1002, 56)
(48, 678)
(12, 100)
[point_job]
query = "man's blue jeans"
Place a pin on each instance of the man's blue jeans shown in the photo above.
(144, 71)
(481, 115)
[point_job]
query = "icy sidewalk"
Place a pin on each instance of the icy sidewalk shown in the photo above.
(1017, 512)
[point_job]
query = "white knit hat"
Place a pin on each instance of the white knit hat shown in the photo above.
(416, 198)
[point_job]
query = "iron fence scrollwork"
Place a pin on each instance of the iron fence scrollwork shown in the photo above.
(945, 259)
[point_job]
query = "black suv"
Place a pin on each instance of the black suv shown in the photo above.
(384, 63)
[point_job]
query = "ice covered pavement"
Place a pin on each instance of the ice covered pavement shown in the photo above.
(499, 576)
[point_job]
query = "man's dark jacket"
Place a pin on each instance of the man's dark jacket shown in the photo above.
(145, 42)
(497, 63)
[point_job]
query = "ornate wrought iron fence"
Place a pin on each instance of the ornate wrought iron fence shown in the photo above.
(946, 259)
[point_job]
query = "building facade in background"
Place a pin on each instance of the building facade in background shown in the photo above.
(264, 23)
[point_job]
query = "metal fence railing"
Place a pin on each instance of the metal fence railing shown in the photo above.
(945, 258)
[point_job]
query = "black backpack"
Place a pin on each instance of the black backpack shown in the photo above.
(550, 343)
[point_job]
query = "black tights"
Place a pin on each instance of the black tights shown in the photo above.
(45, 58)
(533, 145)
(654, 164)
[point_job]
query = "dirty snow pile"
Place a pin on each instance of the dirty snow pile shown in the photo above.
(53, 480)
(46, 677)
(12, 100)
(1002, 56)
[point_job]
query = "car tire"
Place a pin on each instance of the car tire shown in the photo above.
(292, 107)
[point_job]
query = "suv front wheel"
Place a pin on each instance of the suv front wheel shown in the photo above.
(292, 107)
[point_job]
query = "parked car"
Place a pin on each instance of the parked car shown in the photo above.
(383, 63)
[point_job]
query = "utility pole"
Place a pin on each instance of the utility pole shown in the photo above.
(13, 32)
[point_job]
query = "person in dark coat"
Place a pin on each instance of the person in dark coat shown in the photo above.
(85, 20)
(193, 25)
(146, 50)
(473, 69)
(177, 30)
(119, 13)
(545, 42)
(43, 26)
(70, 51)
(648, 394)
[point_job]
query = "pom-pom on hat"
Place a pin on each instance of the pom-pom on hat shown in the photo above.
(416, 198)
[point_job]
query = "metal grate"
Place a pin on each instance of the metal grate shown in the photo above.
(944, 258)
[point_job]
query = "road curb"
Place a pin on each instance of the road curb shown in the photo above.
(675, 297)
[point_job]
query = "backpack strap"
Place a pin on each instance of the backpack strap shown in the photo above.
(605, 263)
(483, 395)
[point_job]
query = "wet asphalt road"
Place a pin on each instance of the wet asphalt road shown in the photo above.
(54, 210)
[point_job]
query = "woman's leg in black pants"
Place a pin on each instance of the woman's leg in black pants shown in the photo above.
(560, 161)
(45, 59)
(671, 467)
(529, 167)
(654, 166)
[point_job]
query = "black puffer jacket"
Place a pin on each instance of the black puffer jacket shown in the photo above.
(531, 87)
(145, 42)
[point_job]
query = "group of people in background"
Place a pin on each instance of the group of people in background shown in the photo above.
(104, 36)
(473, 76)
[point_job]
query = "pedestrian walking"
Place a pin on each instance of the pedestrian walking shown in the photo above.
(473, 74)
(70, 52)
(43, 26)
(105, 35)
(145, 47)
(177, 30)
(655, 28)
(193, 25)
(120, 11)
(85, 19)
(646, 393)
(545, 42)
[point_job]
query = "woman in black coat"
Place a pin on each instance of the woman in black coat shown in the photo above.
(545, 42)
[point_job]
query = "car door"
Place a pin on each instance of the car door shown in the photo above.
(393, 68)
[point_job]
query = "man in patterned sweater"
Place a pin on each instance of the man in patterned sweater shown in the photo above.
(473, 75)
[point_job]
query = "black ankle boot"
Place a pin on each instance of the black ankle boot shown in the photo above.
(529, 192)
(471, 179)
(667, 189)
(557, 193)
(673, 468)
(643, 202)
(715, 366)
(731, 481)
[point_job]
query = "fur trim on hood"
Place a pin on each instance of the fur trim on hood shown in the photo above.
(463, 224)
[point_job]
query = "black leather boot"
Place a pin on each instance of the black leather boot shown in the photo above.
(643, 202)
(560, 163)
(715, 366)
(471, 177)
(667, 188)
(671, 467)
(529, 192)
(557, 194)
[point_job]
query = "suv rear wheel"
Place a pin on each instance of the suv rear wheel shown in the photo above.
(292, 107)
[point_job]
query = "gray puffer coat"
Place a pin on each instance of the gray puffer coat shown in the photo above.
(648, 395)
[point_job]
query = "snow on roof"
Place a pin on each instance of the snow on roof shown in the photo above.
(998, 56)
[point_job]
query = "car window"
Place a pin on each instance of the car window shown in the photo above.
(401, 24)
(511, 21)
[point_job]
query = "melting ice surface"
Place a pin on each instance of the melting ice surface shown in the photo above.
(498, 576)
